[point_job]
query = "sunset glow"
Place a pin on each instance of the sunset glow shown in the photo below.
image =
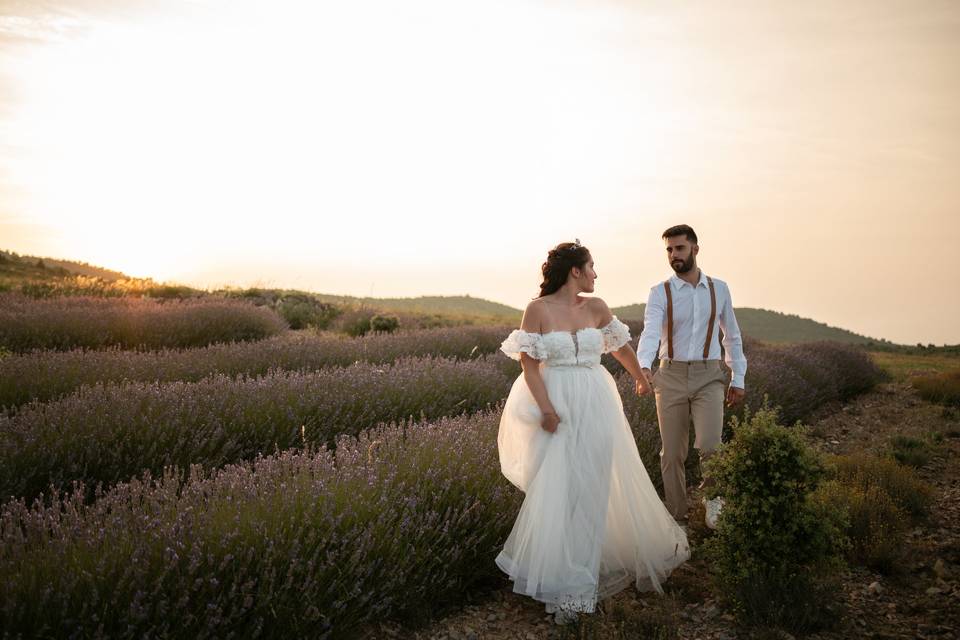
(440, 148)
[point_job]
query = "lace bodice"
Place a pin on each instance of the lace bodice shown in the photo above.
(555, 348)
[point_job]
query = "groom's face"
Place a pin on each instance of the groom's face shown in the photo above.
(681, 253)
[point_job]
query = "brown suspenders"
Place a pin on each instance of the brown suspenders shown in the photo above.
(713, 317)
(666, 287)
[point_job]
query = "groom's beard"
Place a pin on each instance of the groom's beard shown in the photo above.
(683, 266)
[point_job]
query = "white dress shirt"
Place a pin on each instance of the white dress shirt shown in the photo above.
(691, 314)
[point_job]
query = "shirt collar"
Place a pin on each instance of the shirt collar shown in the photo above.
(678, 282)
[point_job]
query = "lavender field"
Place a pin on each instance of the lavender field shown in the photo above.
(136, 323)
(47, 374)
(295, 486)
(299, 544)
(110, 432)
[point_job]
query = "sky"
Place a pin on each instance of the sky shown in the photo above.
(441, 147)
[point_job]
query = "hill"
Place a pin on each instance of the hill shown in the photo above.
(15, 267)
(465, 305)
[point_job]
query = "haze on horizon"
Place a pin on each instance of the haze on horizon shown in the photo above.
(440, 148)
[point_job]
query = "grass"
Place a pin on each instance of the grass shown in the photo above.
(875, 526)
(901, 483)
(943, 388)
(879, 499)
(910, 451)
(903, 366)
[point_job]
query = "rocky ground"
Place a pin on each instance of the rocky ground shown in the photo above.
(921, 599)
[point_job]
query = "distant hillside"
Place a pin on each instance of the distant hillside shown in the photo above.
(18, 267)
(50, 276)
(444, 305)
(773, 326)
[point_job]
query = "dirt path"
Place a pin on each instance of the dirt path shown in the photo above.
(920, 600)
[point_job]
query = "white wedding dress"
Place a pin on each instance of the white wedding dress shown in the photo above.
(591, 522)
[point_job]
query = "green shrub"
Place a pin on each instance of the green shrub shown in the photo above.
(301, 311)
(909, 451)
(940, 387)
(875, 526)
(354, 322)
(776, 553)
(384, 324)
(900, 483)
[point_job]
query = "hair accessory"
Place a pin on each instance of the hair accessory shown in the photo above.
(576, 243)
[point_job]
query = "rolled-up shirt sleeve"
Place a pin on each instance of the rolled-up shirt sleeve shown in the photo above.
(649, 343)
(732, 342)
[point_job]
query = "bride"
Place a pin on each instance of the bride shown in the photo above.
(591, 522)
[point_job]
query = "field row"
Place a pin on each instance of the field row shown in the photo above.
(46, 375)
(110, 432)
(133, 323)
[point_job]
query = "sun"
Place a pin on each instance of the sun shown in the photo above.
(384, 138)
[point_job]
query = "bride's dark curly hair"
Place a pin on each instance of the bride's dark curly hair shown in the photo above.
(560, 260)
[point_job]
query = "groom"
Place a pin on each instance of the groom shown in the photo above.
(680, 326)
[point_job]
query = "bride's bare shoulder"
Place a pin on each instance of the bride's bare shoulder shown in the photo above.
(600, 310)
(533, 316)
(597, 304)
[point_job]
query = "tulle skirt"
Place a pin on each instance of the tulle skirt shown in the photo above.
(591, 522)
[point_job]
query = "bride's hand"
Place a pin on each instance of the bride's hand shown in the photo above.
(550, 421)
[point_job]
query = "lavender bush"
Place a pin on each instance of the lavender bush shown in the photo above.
(399, 523)
(802, 378)
(86, 321)
(108, 433)
(45, 375)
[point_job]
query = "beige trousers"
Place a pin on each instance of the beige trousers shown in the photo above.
(686, 390)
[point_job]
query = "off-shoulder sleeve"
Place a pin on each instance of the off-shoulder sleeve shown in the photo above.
(615, 335)
(521, 341)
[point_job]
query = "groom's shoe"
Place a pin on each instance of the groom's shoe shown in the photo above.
(712, 509)
(564, 616)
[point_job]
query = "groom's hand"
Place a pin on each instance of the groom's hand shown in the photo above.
(645, 386)
(735, 396)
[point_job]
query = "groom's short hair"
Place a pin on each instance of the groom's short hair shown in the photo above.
(681, 230)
